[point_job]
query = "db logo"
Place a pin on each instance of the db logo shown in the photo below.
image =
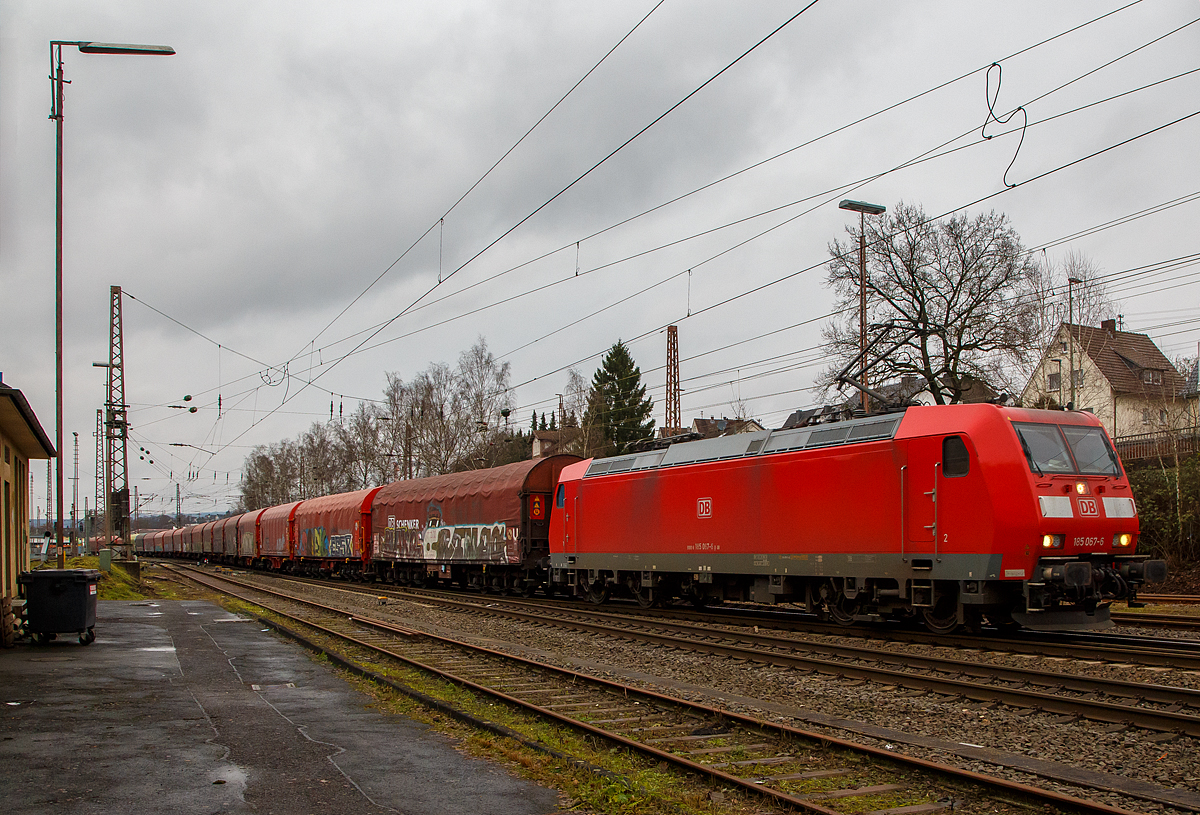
(1089, 507)
(704, 508)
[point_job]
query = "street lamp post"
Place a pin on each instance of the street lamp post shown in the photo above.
(56, 113)
(1071, 282)
(863, 209)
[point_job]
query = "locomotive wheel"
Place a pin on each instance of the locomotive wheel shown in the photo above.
(842, 611)
(645, 597)
(943, 617)
(598, 592)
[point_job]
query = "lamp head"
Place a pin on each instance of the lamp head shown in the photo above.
(124, 48)
(862, 206)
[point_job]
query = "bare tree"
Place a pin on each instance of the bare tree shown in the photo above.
(270, 476)
(320, 462)
(1086, 302)
(359, 439)
(445, 420)
(441, 427)
(484, 386)
(958, 293)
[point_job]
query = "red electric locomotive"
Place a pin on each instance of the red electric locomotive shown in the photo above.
(951, 513)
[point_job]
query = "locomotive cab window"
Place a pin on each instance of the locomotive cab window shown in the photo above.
(560, 495)
(1051, 448)
(956, 461)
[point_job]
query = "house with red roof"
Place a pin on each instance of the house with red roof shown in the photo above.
(1120, 376)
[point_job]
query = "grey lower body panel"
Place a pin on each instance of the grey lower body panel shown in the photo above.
(894, 566)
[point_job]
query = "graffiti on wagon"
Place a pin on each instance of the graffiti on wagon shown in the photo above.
(316, 542)
(407, 539)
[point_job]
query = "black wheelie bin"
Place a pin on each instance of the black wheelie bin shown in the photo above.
(60, 601)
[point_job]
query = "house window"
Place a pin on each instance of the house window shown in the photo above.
(1145, 415)
(1054, 381)
(1152, 377)
(1064, 345)
(1078, 377)
(1162, 417)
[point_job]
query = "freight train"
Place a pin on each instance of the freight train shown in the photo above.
(953, 515)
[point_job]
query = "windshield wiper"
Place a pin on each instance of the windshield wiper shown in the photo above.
(1028, 455)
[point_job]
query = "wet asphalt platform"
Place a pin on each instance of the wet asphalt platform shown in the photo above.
(182, 707)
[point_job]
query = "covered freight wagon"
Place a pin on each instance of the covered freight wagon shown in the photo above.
(277, 535)
(487, 528)
(247, 533)
(225, 538)
(332, 532)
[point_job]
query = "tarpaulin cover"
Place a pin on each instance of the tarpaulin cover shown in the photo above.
(474, 516)
(332, 525)
(191, 539)
(218, 536)
(275, 528)
(228, 529)
(206, 536)
(247, 533)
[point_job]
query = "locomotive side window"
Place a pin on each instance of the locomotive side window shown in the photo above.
(956, 462)
(1092, 451)
(560, 495)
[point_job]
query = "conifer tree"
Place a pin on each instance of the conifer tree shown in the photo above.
(618, 403)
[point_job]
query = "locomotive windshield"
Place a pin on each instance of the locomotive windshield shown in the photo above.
(1052, 448)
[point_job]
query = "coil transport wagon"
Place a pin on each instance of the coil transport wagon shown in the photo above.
(486, 529)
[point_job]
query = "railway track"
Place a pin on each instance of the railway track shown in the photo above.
(789, 766)
(753, 755)
(1109, 701)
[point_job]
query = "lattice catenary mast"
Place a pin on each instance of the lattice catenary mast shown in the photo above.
(673, 423)
(116, 431)
(99, 509)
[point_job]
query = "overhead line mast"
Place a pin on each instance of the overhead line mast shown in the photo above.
(116, 431)
(673, 423)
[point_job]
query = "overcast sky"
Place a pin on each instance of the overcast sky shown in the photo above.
(256, 183)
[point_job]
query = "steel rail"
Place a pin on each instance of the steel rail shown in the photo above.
(1184, 622)
(1171, 599)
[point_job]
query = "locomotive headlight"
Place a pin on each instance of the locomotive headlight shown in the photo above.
(1081, 487)
(1123, 539)
(1053, 541)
